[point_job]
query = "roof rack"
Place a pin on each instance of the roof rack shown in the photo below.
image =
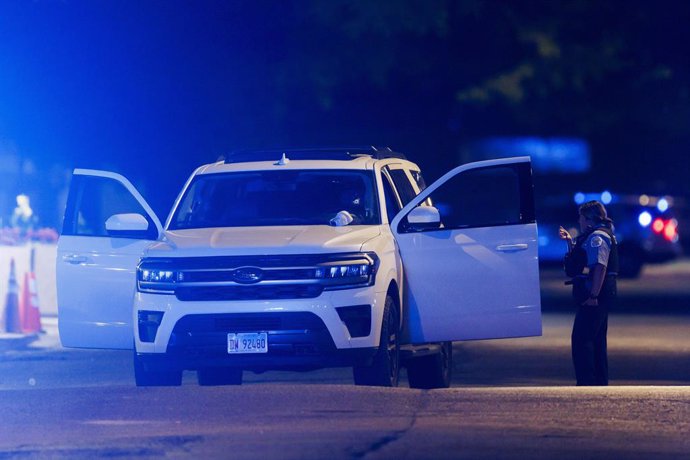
(313, 153)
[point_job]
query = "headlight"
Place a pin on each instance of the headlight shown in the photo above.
(159, 276)
(343, 271)
(359, 271)
(157, 280)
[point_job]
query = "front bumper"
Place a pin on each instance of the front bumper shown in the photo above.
(300, 331)
(296, 340)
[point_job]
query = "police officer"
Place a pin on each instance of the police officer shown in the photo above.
(592, 262)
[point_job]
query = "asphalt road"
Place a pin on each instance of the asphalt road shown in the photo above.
(509, 399)
(342, 421)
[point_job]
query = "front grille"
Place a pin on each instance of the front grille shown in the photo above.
(257, 292)
(289, 334)
(249, 322)
(203, 276)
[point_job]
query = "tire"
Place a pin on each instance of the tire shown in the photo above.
(432, 371)
(219, 376)
(146, 377)
(384, 371)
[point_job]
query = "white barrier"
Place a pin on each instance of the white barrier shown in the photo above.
(44, 267)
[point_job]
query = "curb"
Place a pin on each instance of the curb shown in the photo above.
(10, 341)
(47, 339)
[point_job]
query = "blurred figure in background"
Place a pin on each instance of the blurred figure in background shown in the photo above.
(23, 217)
(592, 263)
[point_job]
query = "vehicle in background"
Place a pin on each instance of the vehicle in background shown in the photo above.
(645, 226)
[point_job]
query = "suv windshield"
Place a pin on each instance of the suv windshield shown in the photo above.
(269, 198)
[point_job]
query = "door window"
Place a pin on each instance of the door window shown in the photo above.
(403, 185)
(92, 200)
(392, 202)
(485, 197)
(417, 176)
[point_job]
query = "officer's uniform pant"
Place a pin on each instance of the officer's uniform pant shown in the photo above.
(589, 345)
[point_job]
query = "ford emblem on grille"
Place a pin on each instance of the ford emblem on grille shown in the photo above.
(247, 275)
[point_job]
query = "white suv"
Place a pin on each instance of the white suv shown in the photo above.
(301, 259)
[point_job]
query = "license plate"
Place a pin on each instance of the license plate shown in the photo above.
(248, 342)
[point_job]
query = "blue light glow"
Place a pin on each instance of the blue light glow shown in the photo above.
(606, 197)
(579, 198)
(662, 205)
(644, 219)
(556, 154)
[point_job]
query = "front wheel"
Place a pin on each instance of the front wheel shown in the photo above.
(432, 371)
(147, 377)
(385, 368)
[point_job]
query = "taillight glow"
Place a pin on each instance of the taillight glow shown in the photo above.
(658, 225)
(671, 230)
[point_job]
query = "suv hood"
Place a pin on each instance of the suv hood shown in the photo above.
(312, 239)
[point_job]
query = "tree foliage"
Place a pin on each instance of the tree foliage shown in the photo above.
(579, 67)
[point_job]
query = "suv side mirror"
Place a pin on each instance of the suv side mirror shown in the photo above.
(424, 218)
(129, 225)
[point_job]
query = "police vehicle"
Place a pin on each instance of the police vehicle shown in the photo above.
(646, 227)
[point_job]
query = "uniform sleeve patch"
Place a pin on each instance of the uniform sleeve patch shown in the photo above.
(597, 241)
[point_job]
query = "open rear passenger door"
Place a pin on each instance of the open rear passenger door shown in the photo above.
(470, 261)
(107, 226)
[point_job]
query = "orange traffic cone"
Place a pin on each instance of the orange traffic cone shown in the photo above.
(12, 322)
(28, 305)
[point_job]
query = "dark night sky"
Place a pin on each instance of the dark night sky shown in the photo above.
(169, 85)
(106, 80)
(121, 85)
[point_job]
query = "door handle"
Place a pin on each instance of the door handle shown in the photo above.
(74, 259)
(512, 247)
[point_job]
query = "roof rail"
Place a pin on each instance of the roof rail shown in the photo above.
(312, 153)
